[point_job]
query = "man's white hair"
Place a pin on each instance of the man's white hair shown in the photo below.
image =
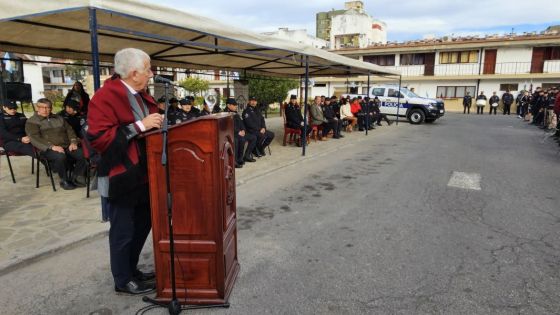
(128, 60)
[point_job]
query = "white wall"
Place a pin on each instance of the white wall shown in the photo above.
(33, 75)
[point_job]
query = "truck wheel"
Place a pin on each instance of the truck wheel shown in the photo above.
(416, 116)
(429, 121)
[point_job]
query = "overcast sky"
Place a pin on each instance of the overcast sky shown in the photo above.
(406, 19)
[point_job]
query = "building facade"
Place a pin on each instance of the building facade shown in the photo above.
(450, 67)
(350, 28)
(299, 36)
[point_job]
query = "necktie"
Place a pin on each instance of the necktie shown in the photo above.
(140, 103)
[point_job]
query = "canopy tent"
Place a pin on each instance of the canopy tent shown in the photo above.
(96, 29)
(172, 38)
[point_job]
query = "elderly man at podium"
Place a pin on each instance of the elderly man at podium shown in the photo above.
(119, 112)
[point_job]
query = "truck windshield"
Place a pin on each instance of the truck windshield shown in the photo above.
(408, 93)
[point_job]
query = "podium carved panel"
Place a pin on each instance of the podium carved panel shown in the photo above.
(202, 181)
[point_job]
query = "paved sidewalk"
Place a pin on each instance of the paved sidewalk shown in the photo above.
(35, 223)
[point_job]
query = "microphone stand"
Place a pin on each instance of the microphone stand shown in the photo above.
(174, 306)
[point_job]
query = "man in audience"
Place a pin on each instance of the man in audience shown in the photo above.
(377, 115)
(58, 143)
(241, 136)
(12, 131)
(318, 118)
(330, 115)
(294, 118)
(255, 124)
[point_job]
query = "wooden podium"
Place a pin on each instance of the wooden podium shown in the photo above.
(202, 173)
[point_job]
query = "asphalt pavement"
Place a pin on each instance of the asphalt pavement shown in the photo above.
(456, 217)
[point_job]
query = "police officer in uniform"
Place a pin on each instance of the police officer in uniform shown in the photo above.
(377, 115)
(12, 131)
(494, 99)
(467, 103)
(189, 111)
(294, 117)
(330, 115)
(241, 136)
(507, 99)
(72, 116)
(255, 125)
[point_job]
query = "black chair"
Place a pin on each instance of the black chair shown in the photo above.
(43, 160)
(8, 154)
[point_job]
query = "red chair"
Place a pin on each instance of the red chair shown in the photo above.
(314, 129)
(291, 135)
(8, 154)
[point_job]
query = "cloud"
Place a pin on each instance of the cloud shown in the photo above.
(406, 19)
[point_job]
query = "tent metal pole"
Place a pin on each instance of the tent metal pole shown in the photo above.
(94, 48)
(399, 99)
(303, 137)
(367, 105)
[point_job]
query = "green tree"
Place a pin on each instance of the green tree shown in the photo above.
(269, 90)
(195, 85)
(75, 71)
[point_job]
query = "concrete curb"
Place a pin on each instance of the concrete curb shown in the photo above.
(49, 251)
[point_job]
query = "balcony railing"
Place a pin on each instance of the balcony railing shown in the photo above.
(550, 66)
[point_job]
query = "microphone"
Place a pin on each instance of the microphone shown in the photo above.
(160, 79)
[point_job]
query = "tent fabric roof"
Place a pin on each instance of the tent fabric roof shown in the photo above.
(171, 37)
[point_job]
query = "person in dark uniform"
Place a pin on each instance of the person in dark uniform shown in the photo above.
(12, 131)
(467, 103)
(539, 108)
(377, 115)
(330, 115)
(294, 117)
(72, 116)
(336, 106)
(368, 119)
(507, 99)
(161, 105)
(255, 125)
(241, 136)
(494, 100)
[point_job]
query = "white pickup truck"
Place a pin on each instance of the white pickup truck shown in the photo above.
(406, 104)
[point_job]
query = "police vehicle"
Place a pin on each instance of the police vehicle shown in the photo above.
(406, 103)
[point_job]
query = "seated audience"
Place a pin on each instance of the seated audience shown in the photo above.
(377, 115)
(255, 125)
(72, 116)
(241, 156)
(12, 131)
(346, 114)
(294, 118)
(330, 115)
(57, 142)
(318, 118)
